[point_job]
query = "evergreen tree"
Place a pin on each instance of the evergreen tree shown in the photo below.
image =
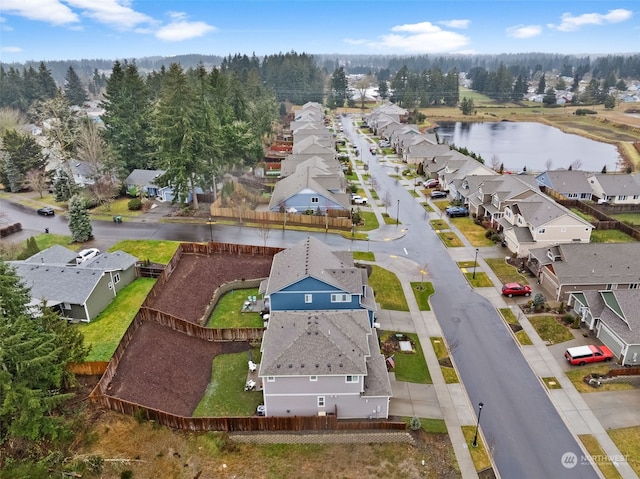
(467, 106)
(383, 89)
(520, 88)
(20, 153)
(79, 222)
(609, 102)
(178, 136)
(127, 117)
(339, 86)
(47, 85)
(542, 85)
(34, 352)
(63, 185)
(549, 98)
(74, 89)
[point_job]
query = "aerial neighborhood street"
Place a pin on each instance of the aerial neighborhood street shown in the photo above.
(416, 257)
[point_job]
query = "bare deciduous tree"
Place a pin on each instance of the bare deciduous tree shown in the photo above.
(11, 119)
(548, 164)
(36, 180)
(575, 165)
(386, 200)
(264, 230)
(105, 189)
(495, 162)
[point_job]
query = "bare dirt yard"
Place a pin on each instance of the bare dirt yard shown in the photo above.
(191, 285)
(167, 370)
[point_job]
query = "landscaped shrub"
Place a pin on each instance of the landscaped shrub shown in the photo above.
(135, 204)
(415, 423)
(585, 111)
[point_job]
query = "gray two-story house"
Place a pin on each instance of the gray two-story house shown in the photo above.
(320, 351)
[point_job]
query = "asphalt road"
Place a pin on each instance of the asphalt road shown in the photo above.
(520, 424)
(522, 427)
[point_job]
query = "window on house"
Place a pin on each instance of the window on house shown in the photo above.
(110, 285)
(271, 379)
(633, 286)
(352, 379)
(541, 231)
(66, 306)
(313, 378)
(116, 278)
(611, 286)
(314, 199)
(622, 197)
(340, 298)
(584, 196)
(308, 298)
(635, 197)
(563, 230)
(320, 401)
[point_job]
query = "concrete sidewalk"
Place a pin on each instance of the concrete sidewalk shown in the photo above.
(582, 414)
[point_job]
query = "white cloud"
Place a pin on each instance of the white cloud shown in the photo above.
(572, 23)
(423, 37)
(181, 28)
(524, 31)
(49, 11)
(115, 13)
(462, 24)
(11, 49)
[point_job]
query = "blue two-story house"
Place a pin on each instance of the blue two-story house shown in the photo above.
(311, 276)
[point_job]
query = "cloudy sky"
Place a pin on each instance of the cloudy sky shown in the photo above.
(116, 29)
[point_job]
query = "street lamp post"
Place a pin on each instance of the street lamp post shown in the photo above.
(210, 230)
(398, 214)
(475, 436)
(475, 263)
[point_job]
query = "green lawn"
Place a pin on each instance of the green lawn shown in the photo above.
(610, 236)
(104, 332)
(439, 225)
(225, 394)
(389, 220)
(442, 353)
(411, 367)
(551, 382)
(629, 218)
(387, 289)
(370, 221)
(522, 337)
(118, 207)
(228, 311)
(594, 449)
(156, 251)
(450, 239)
(422, 291)
(627, 440)
(473, 232)
(578, 373)
(364, 256)
(505, 272)
(481, 279)
(583, 215)
(479, 454)
(550, 330)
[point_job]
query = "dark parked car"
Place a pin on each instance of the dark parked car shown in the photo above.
(438, 194)
(454, 211)
(516, 289)
(431, 183)
(46, 211)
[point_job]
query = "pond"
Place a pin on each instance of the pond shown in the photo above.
(528, 144)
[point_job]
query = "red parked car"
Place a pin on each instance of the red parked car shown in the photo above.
(516, 289)
(582, 355)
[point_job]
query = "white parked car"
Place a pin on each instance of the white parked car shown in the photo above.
(87, 254)
(358, 200)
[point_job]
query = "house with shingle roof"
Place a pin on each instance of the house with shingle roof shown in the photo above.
(572, 184)
(536, 221)
(567, 268)
(614, 316)
(320, 351)
(78, 291)
(616, 189)
(312, 186)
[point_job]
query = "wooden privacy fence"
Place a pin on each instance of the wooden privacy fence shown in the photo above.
(246, 423)
(90, 368)
(332, 220)
(623, 372)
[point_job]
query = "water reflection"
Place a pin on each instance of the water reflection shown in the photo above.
(528, 144)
